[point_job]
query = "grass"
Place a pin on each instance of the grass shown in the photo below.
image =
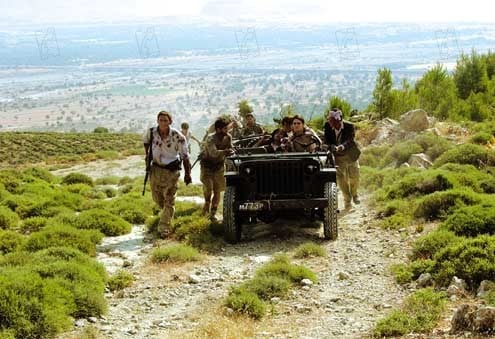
(419, 314)
(179, 253)
(308, 250)
(274, 279)
(120, 280)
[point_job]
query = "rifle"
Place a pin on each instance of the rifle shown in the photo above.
(149, 157)
(196, 161)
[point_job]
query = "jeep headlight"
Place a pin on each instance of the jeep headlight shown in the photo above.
(248, 170)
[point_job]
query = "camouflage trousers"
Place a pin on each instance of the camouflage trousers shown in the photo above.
(347, 177)
(164, 184)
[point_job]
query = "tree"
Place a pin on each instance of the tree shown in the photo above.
(100, 130)
(244, 108)
(337, 102)
(382, 98)
(403, 100)
(470, 75)
(436, 92)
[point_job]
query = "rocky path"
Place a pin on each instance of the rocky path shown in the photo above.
(355, 286)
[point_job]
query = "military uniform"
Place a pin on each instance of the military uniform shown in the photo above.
(346, 160)
(251, 130)
(165, 172)
(305, 142)
(213, 165)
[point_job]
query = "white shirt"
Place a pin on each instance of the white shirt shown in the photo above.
(173, 147)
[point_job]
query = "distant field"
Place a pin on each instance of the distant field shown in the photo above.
(18, 148)
(136, 90)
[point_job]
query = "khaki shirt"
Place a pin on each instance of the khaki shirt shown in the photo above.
(305, 142)
(169, 149)
(213, 144)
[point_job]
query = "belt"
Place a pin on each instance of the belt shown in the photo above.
(173, 166)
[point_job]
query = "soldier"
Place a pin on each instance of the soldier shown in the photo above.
(303, 138)
(339, 136)
(251, 127)
(168, 148)
(217, 146)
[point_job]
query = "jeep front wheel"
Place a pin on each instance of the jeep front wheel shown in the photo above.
(330, 230)
(231, 222)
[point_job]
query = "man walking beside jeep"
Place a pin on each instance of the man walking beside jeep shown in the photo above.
(339, 136)
(168, 148)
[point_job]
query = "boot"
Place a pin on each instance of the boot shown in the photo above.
(213, 211)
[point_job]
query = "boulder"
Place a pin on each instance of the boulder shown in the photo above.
(419, 160)
(484, 288)
(480, 319)
(414, 121)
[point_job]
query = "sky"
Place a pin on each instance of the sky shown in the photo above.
(288, 11)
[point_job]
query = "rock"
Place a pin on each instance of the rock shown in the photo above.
(343, 276)
(306, 282)
(484, 319)
(453, 290)
(275, 300)
(414, 121)
(80, 322)
(306, 288)
(419, 160)
(485, 286)
(460, 283)
(194, 279)
(473, 318)
(424, 280)
(92, 320)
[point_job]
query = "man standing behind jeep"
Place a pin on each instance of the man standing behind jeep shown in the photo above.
(168, 148)
(339, 136)
(217, 146)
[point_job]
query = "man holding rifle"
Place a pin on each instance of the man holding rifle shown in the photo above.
(165, 149)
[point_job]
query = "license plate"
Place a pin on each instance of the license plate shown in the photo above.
(251, 206)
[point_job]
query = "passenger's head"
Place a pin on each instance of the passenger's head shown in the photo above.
(335, 118)
(184, 126)
(250, 120)
(297, 124)
(277, 135)
(286, 124)
(221, 126)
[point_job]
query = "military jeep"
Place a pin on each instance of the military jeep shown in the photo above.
(263, 186)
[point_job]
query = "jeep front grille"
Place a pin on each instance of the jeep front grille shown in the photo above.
(279, 177)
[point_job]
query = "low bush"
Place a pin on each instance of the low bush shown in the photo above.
(104, 221)
(191, 190)
(469, 154)
(281, 267)
(8, 218)
(472, 221)
(439, 204)
(175, 253)
(120, 280)
(109, 180)
(396, 221)
(428, 245)
(401, 152)
(472, 260)
(39, 173)
(62, 235)
(267, 287)
(107, 155)
(481, 138)
(246, 303)
(77, 178)
(419, 314)
(309, 249)
(432, 145)
(11, 241)
(420, 184)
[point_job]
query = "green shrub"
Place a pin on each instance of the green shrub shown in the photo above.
(62, 235)
(279, 267)
(389, 208)
(472, 260)
(82, 189)
(420, 266)
(472, 221)
(175, 253)
(309, 249)
(267, 287)
(39, 173)
(33, 224)
(10, 241)
(125, 180)
(186, 208)
(247, 303)
(481, 138)
(191, 190)
(428, 245)
(401, 152)
(490, 298)
(104, 221)
(120, 280)
(77, 178)
(8, 219)
(396, 222)
(432, 145)
(373, 156)
(419, 314)
(107, 155)
(469, 154)
(31, 307)
(109, 180)
(402, 273)
(131, 208)
(152, 224)
(488, 185)
(439, 204)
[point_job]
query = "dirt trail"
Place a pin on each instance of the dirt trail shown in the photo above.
(355, 286)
